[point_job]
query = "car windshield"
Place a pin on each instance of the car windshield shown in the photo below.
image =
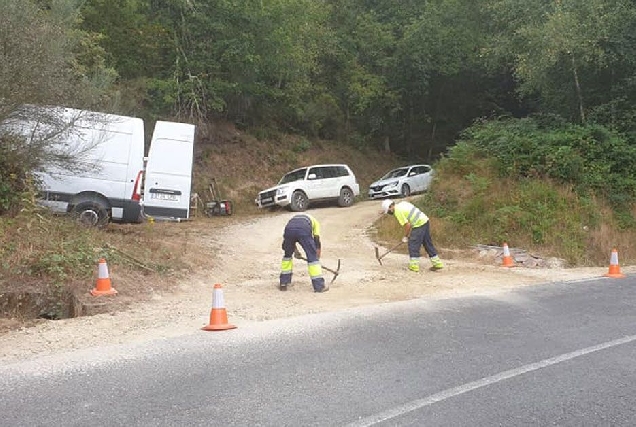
(292, 176)
(396, 173)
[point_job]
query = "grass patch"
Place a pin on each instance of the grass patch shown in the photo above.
(54, 258)
(469, 204)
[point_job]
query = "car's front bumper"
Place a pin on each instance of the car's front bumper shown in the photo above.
(382, 192)
(268, 200)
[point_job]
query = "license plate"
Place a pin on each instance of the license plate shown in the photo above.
(164, 196)
(267, 200)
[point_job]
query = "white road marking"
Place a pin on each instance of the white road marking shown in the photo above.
(484, 382)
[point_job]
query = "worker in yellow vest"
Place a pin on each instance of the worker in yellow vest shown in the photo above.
(417, 232)
(305, 230)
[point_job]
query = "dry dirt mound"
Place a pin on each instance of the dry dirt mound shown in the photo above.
(245, 259)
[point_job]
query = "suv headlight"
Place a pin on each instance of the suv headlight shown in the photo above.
(281, 191)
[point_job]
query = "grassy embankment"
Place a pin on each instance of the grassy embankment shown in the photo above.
(469, 204)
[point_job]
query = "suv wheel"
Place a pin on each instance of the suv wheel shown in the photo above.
(406, 190)
(346, 198)
(299, 201)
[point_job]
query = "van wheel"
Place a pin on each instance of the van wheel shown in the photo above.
(91, 214)
(346, 198)
(406, 190)
(299, 201)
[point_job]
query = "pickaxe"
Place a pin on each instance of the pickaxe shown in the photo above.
(335, 272)
(379, 257)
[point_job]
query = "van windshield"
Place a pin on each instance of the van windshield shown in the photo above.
(292, 176)
(396, 173)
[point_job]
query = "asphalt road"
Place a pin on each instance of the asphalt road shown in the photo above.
(558, 354)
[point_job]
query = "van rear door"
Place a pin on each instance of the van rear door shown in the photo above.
(168, 177)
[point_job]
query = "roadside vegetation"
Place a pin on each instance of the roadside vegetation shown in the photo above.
(555, 188)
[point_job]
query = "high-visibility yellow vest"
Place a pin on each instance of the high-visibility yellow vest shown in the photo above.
(405, 212)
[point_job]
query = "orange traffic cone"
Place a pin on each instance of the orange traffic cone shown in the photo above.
(614, 268)
(103, 286)
(218, 315)
(507, 258)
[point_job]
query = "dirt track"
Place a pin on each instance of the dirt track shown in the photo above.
(246, 262)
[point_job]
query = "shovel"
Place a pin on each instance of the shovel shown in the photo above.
(379, 257)
(335, 272)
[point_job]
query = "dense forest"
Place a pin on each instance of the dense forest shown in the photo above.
(408, 77)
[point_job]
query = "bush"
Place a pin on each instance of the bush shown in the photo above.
(590, 157)
(14, 180)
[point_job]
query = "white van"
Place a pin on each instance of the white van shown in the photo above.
(108, 152)
(169, 171)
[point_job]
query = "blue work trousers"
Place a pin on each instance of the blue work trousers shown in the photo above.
(298, 230)
(421, 236)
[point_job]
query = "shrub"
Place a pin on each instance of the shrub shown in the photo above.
(14, 173)
(590, 157)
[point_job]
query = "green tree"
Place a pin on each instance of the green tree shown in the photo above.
(44, 60)
(563, 49)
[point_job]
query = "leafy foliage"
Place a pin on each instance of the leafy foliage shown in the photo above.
(589, 157)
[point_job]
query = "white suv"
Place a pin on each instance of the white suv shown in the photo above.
(312, 183)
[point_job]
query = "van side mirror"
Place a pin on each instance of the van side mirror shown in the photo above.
(412, 173)
(311, 176)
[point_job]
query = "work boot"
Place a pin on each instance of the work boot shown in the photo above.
(437, 263)
(282, 287)
(324, 289)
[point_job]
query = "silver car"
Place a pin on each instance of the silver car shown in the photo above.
(402, 182)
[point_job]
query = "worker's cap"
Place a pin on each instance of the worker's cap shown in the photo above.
(386, 204)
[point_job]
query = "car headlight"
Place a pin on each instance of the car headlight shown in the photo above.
(392, 184)
(281, 191)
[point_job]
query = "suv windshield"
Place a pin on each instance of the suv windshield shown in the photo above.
(396, 173)
(292, 176)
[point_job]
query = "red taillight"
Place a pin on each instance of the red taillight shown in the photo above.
(136, 195)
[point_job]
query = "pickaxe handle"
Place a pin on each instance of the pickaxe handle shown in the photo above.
(379, 257)
(297, 255)
(337, 271)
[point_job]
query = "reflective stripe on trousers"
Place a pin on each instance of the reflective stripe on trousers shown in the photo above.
(314, 268)
(286, 267)
(298, 231)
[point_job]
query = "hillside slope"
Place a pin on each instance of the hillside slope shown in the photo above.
(243, 165)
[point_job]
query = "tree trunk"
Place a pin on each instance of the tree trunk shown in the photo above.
(578, 91)
(409, 137)
(347, 122)
(432, 144)
(387, 146)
